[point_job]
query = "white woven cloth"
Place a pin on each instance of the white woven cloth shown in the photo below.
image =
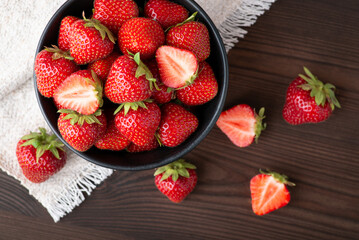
(21, 25)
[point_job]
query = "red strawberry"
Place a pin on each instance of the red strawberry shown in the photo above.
(52, 67)
(202, 90)
(148, 147)
(141, 35)
(241, 124)
(177, 67)
(308, 100)
(112, 139)
(114, 13)
(90, 41)
(165, 12)
(269, 192)
(176, 125)
(138, 123)
(78, 130)
(65, 31)
(176, 180)
(192, 36)
(81, 92)
(162, 94)
(40, 156)
(123, 84)
(102, 66)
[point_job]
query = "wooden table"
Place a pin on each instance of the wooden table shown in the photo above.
(322, 159)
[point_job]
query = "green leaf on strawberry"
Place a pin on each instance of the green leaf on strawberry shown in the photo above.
(321, 92)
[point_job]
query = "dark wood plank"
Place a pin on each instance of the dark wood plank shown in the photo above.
(322, 159)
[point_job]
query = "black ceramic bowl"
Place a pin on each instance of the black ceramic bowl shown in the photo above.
(207, 113)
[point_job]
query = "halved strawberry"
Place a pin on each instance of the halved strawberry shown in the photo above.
(269, 192)
(241, 124)
(81, 92)
(177, 67)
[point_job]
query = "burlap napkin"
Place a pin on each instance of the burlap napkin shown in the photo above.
(21, 25)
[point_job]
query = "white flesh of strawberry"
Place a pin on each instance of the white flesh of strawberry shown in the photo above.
(77, 94)
(176, 66)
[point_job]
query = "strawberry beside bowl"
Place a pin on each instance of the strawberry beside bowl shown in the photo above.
(207, 113)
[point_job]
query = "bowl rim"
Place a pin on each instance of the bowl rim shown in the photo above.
(222, 94)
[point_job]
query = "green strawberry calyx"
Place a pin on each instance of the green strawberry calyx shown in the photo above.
(259, 126)
(142, 69)
(103, 30)
(175, 169)
(80, 119)
(278, 177)
(189, 19)
(97, 84)
(321, 92)
(43, 142)
(58, 53)
(132, 105)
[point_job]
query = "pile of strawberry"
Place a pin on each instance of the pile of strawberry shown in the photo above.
(126, 80)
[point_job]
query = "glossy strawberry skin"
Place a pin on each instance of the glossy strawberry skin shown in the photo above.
(114, 13)
(133, 148)
(46, 166)
(202, 90)
(51, 73)
(301, 108)
(192, 36)
(122, 85)
(165, 12)
(65, 32)
(112, 139)
(161, 95)
(79, 137)
(102, 66)
(139, 126)
(86, 44)
(141, 35)
(178, 190)
(176, 125)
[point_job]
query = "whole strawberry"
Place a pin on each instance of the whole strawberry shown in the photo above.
(80, 131)
(81, 91)
(191, 35)
(269, 192)
(52, 67)
(176, 180)
(114, 13)
(65, 32)
(102, 66)
(40, 156)
(124, 84)
(138, 123)
(176, 125)
(141, 35)
(309, 100)
(165, 12)
(203, 89)
(112, 139)
(90, 40)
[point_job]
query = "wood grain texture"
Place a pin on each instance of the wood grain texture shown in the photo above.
(321, 159)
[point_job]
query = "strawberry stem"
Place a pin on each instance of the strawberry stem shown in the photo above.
(58, 53)
(103, 30)
(80, 119)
